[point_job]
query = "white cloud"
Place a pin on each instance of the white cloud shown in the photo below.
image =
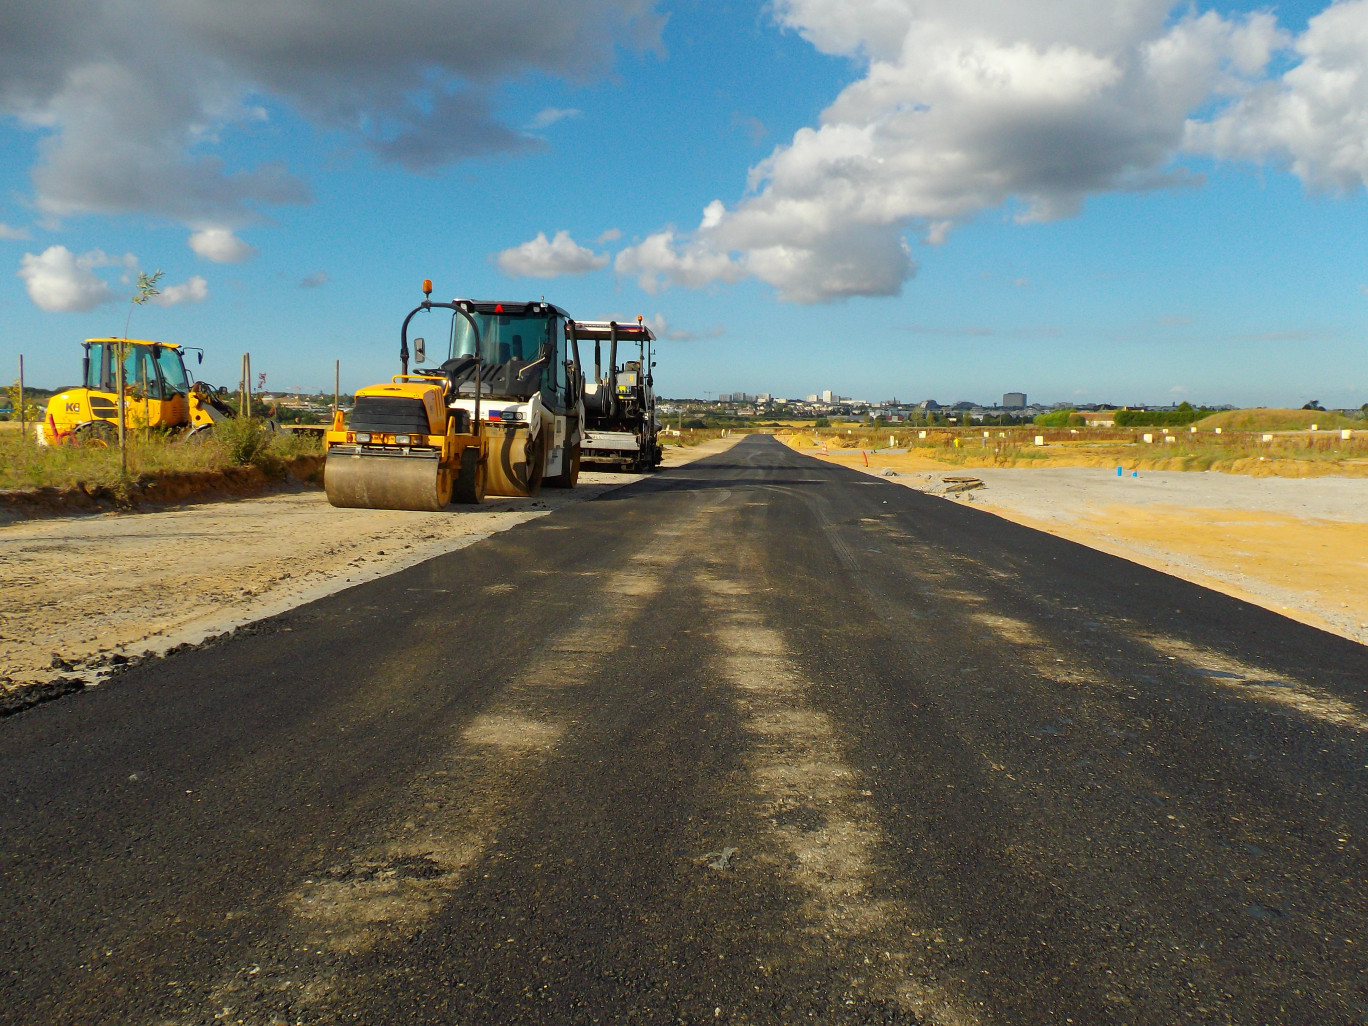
(9, 233)
(659, 261)
(59, 281)
(970, 105)
(550, 115)
(221, 246)
(540, 258)
(315, 281)
(1315, 117)
(193, 290)
(611, 235)
(132, 106)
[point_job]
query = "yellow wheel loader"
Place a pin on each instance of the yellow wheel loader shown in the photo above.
(500, 415)
(158, 393)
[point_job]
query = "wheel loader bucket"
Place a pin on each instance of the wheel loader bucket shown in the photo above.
(372, 481)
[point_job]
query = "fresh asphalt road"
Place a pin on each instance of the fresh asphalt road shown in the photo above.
(757, 740)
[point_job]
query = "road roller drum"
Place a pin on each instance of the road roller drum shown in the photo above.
(361, 480)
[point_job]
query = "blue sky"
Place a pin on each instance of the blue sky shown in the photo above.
(1086, 200)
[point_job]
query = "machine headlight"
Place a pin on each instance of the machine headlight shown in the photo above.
(513, 415)
(403, 439)
(363, 436)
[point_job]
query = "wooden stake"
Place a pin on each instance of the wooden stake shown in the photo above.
(23, 419)
(122, 350)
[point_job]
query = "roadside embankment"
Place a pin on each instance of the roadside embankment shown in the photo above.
(159, 489)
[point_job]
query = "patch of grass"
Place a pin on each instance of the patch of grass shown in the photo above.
(1277, 420)
(1241, 452)
(24, 464)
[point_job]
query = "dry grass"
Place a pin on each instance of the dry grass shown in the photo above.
(1242, 452)
(24, 464)
(1279, 420)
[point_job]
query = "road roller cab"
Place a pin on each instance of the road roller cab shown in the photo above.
(498, 414)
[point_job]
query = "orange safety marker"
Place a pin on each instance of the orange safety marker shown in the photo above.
(866, 457)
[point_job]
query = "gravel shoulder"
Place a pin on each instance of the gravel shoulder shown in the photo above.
(1296, 546)
(83, 595)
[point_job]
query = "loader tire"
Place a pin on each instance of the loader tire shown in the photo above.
(98, 434)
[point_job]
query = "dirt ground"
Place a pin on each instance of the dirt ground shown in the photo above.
(1295, 545)
(81, 593)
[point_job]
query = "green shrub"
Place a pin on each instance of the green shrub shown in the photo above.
(1186, 413)
(244, 441)
(1055, 418)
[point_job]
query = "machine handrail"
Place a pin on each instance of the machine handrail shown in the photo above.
(459, 308)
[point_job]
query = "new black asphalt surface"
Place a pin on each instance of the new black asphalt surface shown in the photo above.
(757, 740)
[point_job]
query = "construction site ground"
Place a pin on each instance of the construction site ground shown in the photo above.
(83, 593)
(1294, 545)
(80, 593)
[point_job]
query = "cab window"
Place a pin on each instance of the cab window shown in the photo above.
(140, 373)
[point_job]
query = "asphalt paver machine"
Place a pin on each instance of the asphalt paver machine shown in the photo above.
(619, 400)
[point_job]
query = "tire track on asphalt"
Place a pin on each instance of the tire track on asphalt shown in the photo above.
(390, 886)
(1084, 788)
(820, 827)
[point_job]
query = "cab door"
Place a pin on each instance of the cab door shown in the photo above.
(147, 400)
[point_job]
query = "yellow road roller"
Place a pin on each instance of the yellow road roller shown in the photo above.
(499, 415)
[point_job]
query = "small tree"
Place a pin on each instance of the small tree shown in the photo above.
(147, 288)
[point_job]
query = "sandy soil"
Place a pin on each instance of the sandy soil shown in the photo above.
(79, 594)
(1298, 546)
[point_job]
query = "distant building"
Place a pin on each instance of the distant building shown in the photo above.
(827, 396)
(1014, 400)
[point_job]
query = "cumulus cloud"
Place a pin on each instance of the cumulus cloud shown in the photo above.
(315, 281)
(132, 106)
(59, 281)
(970, 105)
(10, 233)
(193, 290)
(611, 235)
(1314, 118)
(543, 258)
(221, 246)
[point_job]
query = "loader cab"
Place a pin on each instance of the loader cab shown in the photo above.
(156, 385)
(151, 370)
